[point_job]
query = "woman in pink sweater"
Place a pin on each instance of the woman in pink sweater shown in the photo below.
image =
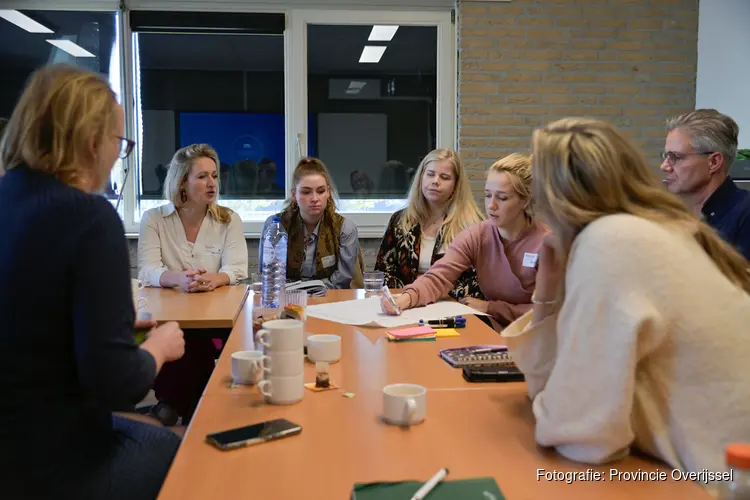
(502, 249)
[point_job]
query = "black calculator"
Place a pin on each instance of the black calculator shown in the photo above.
(479, 355)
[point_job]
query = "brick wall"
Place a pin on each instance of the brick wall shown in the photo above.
(527, 62)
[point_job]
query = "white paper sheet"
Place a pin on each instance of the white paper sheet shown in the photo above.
(367, 312)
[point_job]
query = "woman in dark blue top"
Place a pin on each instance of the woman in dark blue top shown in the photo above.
(67, 356)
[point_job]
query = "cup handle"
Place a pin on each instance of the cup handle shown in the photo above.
(142, 302)
(262, 384)
(259, 338)
(411, 410)
(266, 366)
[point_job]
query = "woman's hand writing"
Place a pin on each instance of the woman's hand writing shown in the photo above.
(403, 302)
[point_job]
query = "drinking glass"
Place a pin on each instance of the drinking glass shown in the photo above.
(373, 282)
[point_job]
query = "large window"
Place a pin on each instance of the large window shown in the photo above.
(264, 89)
(371, 94)
(378, 92)
(216, 79)
(31, 39)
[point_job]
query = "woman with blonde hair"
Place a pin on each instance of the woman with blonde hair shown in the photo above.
(641, 313)
(69, 359)
(323, 245)
(192, 241)
(440, 206)
(502, 249)
(196, 244)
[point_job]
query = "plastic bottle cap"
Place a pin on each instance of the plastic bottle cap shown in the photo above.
(276, 218)
(738, 455)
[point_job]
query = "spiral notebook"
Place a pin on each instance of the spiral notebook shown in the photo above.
(316, 288)
(460, 357)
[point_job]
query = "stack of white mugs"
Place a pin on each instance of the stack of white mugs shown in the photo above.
(282, 341)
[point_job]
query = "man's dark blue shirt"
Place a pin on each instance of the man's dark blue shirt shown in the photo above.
(728, 211)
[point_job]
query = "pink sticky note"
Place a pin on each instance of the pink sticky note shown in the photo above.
(412, 332)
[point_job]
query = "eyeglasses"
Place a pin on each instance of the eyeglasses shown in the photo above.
(126, 146)
(671, 157)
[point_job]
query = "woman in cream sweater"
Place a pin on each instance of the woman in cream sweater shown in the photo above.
(639, 332)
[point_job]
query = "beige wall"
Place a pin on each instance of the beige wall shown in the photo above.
(527, 62)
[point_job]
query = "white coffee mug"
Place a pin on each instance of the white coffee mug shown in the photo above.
(247, 366)
(281, 335)
(324, 348)
(404, 404)
(138, 302)
(284, 363)
(283, 390)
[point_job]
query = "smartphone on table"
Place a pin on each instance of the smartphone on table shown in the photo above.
(489, 373)
(253, 434)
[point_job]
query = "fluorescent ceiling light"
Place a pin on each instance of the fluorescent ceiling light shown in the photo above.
(371, 54)
(24, 22)
(382, 33)
(71, 48)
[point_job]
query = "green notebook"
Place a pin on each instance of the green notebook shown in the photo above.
(481, 488)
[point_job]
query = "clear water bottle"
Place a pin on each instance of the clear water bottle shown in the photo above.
(273, 267)
(738, 461)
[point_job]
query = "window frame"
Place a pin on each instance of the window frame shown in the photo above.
(370, 225)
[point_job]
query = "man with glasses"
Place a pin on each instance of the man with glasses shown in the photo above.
(700, 148)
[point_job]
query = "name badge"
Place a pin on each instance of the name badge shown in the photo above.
(328, 261)
(529, 259)
(213, 249)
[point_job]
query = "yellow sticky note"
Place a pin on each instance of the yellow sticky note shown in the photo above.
(446, 332)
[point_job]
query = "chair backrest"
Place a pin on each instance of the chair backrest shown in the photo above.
(358, 280)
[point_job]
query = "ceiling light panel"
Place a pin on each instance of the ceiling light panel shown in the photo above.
(24, 22)
(71, 48)
(371, 54)
(382, 33)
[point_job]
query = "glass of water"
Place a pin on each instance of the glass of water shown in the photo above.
(255, 280)
(373, 282)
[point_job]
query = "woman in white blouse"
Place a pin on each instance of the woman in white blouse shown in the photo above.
(192, 242)
(197, 245)
(639, 332)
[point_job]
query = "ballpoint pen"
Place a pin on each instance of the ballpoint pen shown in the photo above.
(390, 298)
(430, 485)
(457, 322)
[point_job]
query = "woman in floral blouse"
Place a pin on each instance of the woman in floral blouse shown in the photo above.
(440, 206)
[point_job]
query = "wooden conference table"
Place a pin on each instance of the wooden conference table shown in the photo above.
(216, 310)
(473, 429)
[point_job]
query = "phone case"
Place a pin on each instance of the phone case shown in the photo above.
(500, 373)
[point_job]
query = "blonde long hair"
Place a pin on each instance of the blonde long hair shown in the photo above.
(585, 169)
(312, 166)
(62, 108)
(179, 169)
(462, 209)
